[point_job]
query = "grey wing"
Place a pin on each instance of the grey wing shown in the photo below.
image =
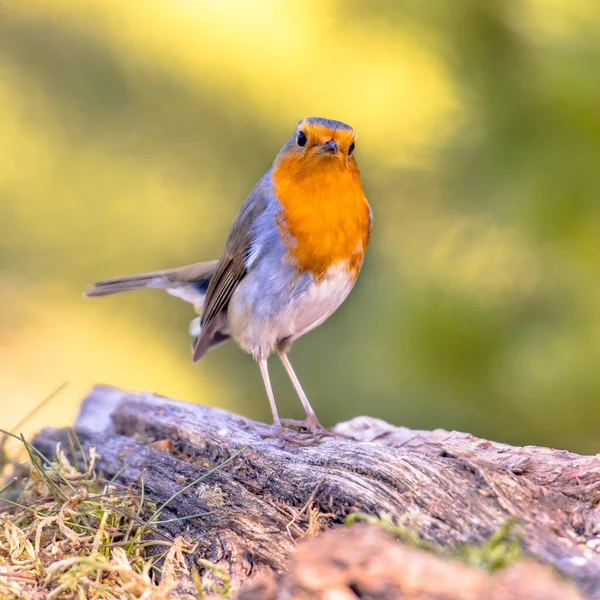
(230, 270)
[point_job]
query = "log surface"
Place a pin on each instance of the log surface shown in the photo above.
(450, 487)
(347, 563)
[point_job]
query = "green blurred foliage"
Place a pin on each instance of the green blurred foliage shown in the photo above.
(132, 131)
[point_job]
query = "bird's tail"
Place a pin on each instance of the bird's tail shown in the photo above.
(125, 284)
(189, 283)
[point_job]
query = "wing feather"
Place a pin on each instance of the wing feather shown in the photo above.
(230, 270)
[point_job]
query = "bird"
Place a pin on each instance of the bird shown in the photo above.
(292, 256)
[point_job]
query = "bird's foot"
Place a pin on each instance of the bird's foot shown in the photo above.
(306, 432)
(302, 436)
(309, 425)
(293, 437)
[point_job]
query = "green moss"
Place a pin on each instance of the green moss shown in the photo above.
(502, 549)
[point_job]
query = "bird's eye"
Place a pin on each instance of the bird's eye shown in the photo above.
(301, 140)
(351, 149)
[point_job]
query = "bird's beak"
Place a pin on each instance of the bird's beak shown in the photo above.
(330, 147)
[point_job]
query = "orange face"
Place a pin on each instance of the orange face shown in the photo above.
(316, 141)
(325, 216)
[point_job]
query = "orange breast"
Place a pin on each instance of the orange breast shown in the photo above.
(325, 216)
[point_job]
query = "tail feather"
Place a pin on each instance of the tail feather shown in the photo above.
(124, 284)
(195, 276)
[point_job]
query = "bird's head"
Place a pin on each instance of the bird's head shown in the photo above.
(319, 144)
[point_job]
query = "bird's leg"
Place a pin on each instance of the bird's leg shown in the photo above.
(315, 432)
(264, 370)
(311, 422)
(278, 431)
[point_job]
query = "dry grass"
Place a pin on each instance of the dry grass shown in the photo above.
(66, 533)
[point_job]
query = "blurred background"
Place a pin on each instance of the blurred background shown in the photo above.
(131, 132)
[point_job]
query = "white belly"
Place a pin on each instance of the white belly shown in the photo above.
(303, 312)
(320, 301)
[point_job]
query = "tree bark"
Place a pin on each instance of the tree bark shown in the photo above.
(449, 487)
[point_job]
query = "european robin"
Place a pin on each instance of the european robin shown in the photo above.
(292, 256)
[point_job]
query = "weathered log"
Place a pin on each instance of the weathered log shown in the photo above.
(450, 487)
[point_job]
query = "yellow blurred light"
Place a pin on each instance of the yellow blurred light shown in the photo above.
(285, 61)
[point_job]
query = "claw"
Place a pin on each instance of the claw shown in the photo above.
(298, 438)
(310, 424)
(307, 432)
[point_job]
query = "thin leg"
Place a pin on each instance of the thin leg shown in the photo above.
(262, 363)
(311, 417)
(278, 432)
